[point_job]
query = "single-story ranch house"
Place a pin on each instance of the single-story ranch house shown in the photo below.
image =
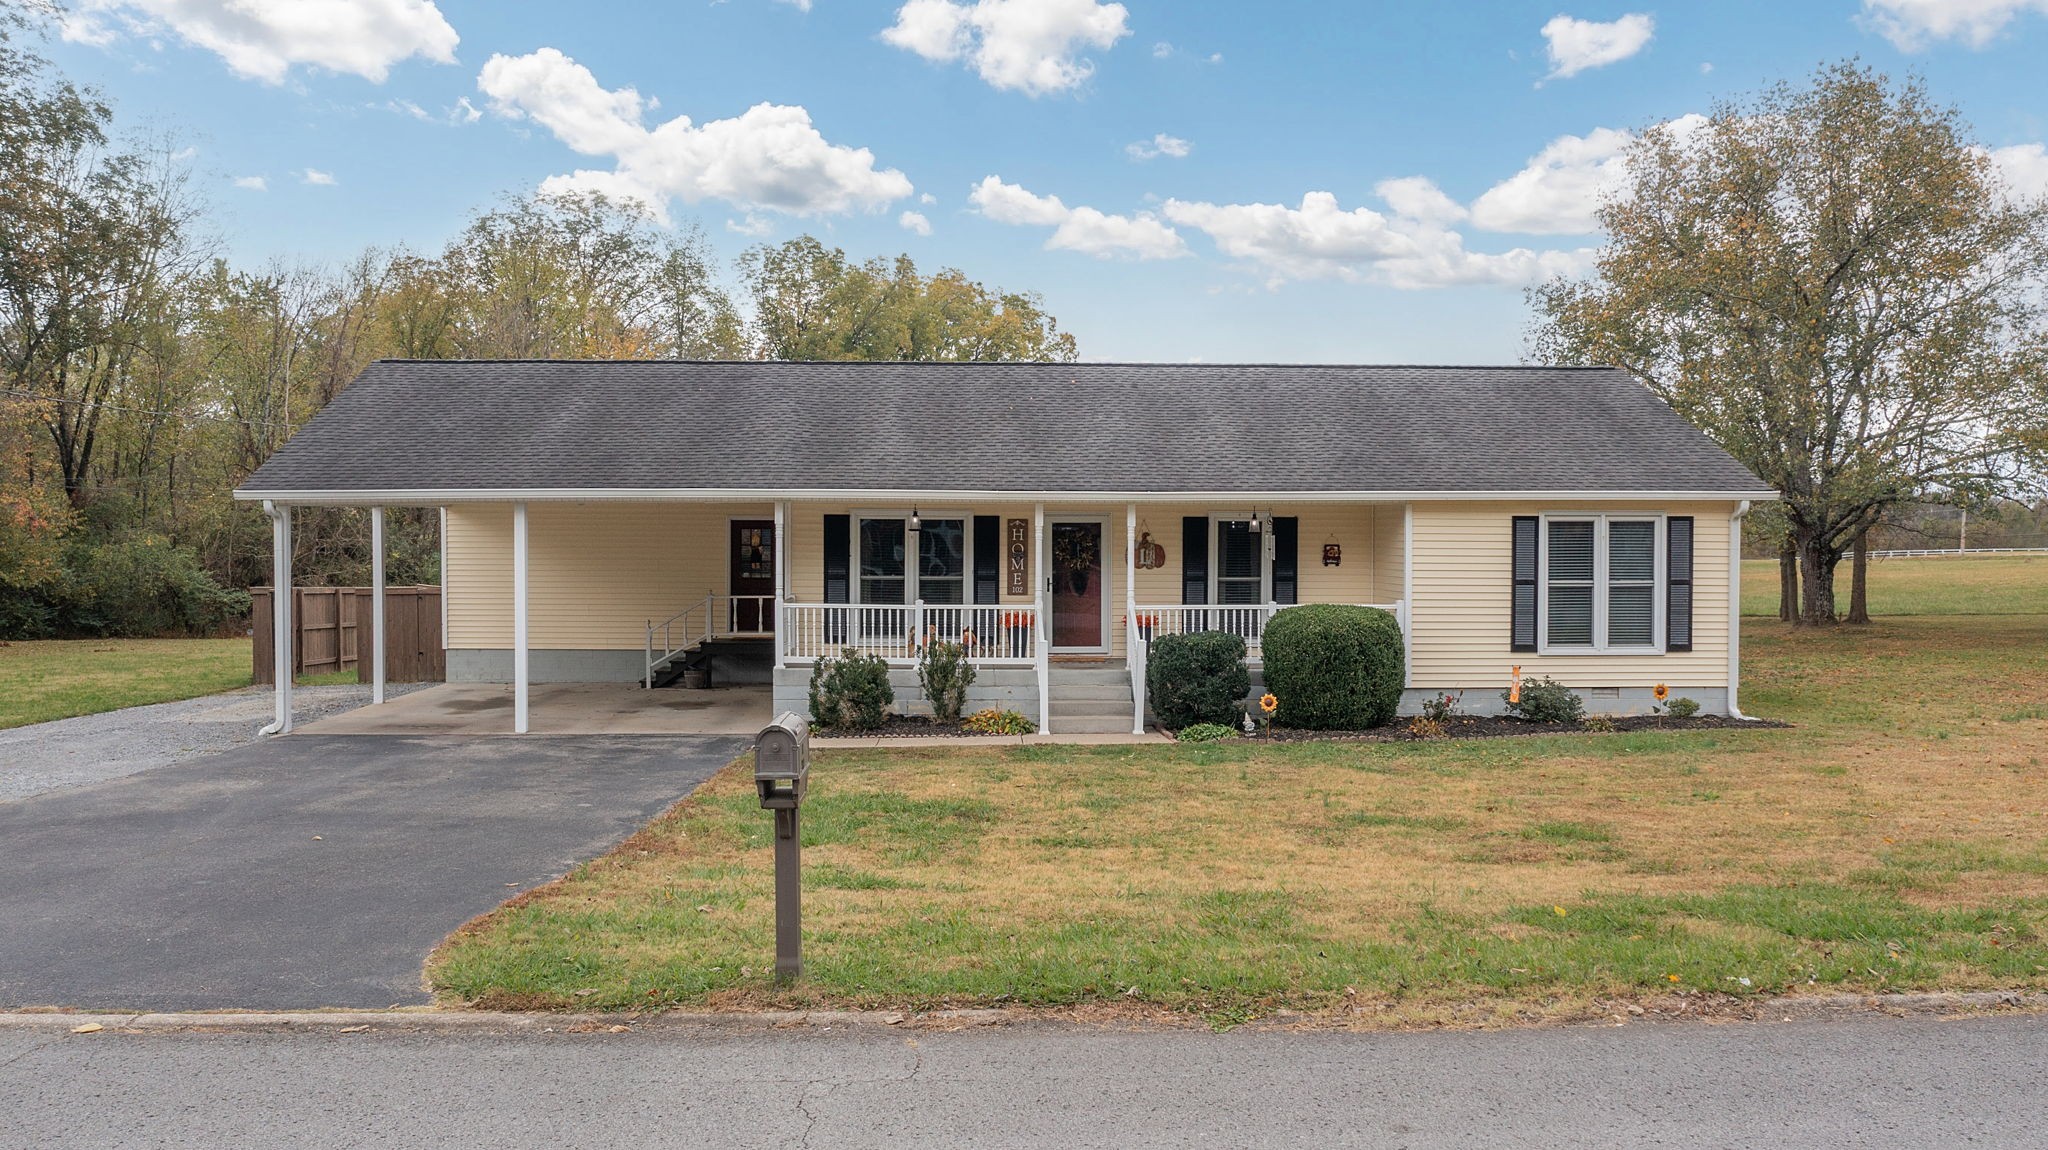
(630, 521)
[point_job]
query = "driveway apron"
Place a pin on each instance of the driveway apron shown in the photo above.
(307, 871)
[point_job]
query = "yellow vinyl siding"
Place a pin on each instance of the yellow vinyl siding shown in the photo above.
(1462, 593)
(598, 572)
(478, 581)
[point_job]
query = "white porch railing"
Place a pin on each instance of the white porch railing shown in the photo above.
(990, 633)
(713, 617)
(1247, 621)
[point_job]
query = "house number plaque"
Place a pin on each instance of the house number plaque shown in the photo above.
(1017, 557)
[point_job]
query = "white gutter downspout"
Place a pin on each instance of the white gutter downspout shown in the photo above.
(280, 615)
(1735, 608)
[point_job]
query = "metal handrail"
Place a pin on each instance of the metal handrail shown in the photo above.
(693, 635)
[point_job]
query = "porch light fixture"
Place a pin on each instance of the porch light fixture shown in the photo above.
(1258, 524)
(915, 524)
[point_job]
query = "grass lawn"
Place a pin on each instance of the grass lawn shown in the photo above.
(1896, 838)
(61, 678)
(1945, 585)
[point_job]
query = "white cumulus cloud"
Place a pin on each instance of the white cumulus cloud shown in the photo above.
(1082, 229)
(769, 157)
(1321, 240)
(1914, 24)
(1559, 191)
(264, 40)
(1159, 145)
(914, 222)
(252, 183)
(318, 178)
(1033, 46)
(1576, 45)
(2024, 168)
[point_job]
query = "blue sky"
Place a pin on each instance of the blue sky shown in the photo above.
(1282, 180)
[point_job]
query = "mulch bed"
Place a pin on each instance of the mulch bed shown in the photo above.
(1494, 727)
(901, 726)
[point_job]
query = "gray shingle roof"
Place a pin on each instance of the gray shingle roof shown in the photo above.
(481, 426)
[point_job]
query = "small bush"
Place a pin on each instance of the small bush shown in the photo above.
(1197, 678)
(1441, 707)
(851, 691)
(945, 674)
(1335, 668)
(1425, 727)
(1204, 733)
(994, 722)
(1684, 708)
(1598, 723)
(1546, 701)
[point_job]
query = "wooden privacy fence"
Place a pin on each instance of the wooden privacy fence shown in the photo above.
(332, 633)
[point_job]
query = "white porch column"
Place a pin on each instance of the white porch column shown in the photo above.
(1132, 662)
(1042, 594)
(519, 677)
(1407, 595)
(376, 605)
(280, 615)
(781, 577)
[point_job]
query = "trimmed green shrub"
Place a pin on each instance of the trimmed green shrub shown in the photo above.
(1682, 708)
(945, 674)
(1197, 678)
(1204, 733)
(994, 722)
(851, 692)
(1333, 667)
(1546, 701)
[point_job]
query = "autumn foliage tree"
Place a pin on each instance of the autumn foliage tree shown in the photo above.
(1834, 283)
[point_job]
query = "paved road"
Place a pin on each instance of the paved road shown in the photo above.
(1881, 1083)
(306, 871)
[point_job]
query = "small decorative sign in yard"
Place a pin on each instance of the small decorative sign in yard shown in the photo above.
(1017, 557)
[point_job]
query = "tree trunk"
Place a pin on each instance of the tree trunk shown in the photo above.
(1788, 582)
(1859, 570)
(1817, 563)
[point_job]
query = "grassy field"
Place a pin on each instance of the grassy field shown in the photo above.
(1896, 838)
(1947, 585)
(58, 679)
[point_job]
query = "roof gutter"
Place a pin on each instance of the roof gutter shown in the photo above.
(440, 497)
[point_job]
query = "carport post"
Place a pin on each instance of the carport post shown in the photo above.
(519, 618)
(376, 605)
(280, 614)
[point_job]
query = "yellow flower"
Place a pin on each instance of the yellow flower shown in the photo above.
(1268, 703)
(1661, 692)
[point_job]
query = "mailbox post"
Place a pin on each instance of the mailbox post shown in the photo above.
(782, 773)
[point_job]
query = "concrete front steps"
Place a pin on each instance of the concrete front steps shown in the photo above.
(1090, 699)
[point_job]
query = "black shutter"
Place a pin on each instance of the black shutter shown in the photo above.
(1286, 559)
(988, 558)
(839, 559)
(1678, 583)
(1522, 627)
(1194, 559)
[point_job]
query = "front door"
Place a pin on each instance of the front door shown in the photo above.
(1078, 596)
(753, 577)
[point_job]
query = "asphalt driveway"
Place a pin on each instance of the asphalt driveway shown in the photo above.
(307, 871)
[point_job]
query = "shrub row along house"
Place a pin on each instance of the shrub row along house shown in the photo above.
(627, 521)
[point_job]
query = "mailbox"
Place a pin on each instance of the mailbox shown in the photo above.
(782, 762)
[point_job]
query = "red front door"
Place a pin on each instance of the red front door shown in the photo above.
(753, 576)
(1077, 590)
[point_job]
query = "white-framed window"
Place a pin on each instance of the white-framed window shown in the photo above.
(1600, 584)
(1240, 561)
(895, 565)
